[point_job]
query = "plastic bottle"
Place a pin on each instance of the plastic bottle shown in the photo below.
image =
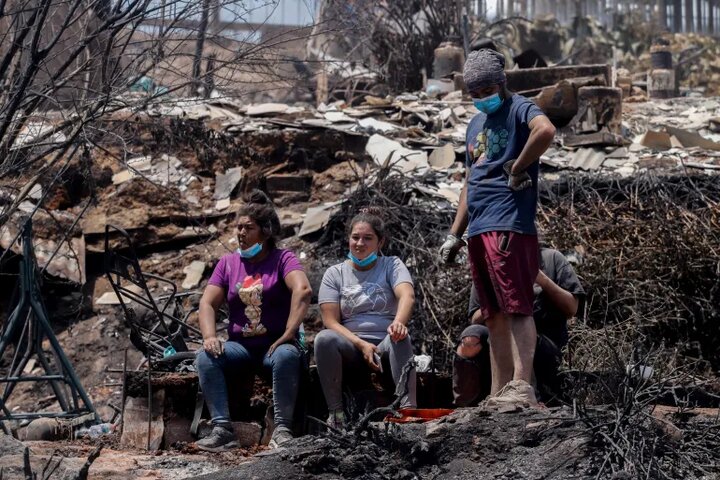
(94, 431)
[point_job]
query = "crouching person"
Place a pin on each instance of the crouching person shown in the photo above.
(472, 376)
(267, 294)
(366, 303)
(557, 294)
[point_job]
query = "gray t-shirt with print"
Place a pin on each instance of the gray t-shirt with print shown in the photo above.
(367, 300)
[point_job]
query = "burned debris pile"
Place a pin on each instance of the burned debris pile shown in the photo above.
(631, 429)
(646, 251)
(628, 192)
(628, 440)
(395, 52)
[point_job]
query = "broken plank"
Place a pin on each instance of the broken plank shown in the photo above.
(703, 166)
(533, 78)
(590, 139)
(288, 183)
(137, 432)
(276, 168)
(691, 139)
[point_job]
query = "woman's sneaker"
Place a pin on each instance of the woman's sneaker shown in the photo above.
(280, 435)
(220, 439)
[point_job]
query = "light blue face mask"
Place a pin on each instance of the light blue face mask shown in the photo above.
(365, 261)
(250, 252)
(489, 104)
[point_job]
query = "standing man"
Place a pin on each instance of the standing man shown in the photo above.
(558, 294)
(497, 207)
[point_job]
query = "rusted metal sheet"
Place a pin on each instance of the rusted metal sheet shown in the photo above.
(533, 78)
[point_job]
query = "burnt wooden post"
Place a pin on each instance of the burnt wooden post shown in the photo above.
(199, 47)
(677, 16)
(662, 13)
(698, 15)
(711, 17)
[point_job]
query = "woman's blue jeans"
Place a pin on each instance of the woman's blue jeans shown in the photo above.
(284, 364)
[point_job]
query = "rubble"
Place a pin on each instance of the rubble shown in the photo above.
(61, 257)
(193, 274)
(477, 443)
(316, 218)
(143, 426)
(387, 152)
(10, 446)
(225, 183)
(627, 185)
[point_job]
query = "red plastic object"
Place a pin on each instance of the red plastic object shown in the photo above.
(419, 415)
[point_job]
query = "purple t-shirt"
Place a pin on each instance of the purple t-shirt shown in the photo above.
(258, 299)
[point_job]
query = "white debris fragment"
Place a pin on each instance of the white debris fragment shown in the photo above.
(386, 152)
(193, 274)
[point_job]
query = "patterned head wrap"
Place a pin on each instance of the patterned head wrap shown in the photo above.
(483, 68)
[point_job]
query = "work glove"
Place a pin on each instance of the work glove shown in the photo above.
(518, 181)
(450, 248)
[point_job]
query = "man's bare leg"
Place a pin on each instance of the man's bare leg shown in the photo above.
(501, 351)
(524, 339)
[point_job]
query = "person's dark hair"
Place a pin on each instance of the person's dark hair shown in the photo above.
(373, 217)
(261, 210)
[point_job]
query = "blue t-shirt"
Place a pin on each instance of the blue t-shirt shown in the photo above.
(491, 141)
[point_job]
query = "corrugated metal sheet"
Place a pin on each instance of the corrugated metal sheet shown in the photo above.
(587, 159)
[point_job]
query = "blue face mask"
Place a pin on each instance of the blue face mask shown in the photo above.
(489, 104)
(365, 261)
(250, 252)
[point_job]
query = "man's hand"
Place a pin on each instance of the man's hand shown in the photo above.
(563, 300)
(516, 180)
(397, 331)
(450, 248)
(541, 279)
(213, 346)
(368, 352)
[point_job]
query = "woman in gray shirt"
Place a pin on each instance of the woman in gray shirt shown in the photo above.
(366, 303)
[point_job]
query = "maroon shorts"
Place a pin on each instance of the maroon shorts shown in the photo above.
(504, 267)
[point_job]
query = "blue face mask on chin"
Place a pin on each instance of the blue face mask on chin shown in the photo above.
(489, 104)
(365, 261)
(250, 252)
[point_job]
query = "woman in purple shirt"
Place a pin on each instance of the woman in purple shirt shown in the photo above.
(268, 294)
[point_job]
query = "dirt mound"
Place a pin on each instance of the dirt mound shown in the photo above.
(470, 444)
(520, 444)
